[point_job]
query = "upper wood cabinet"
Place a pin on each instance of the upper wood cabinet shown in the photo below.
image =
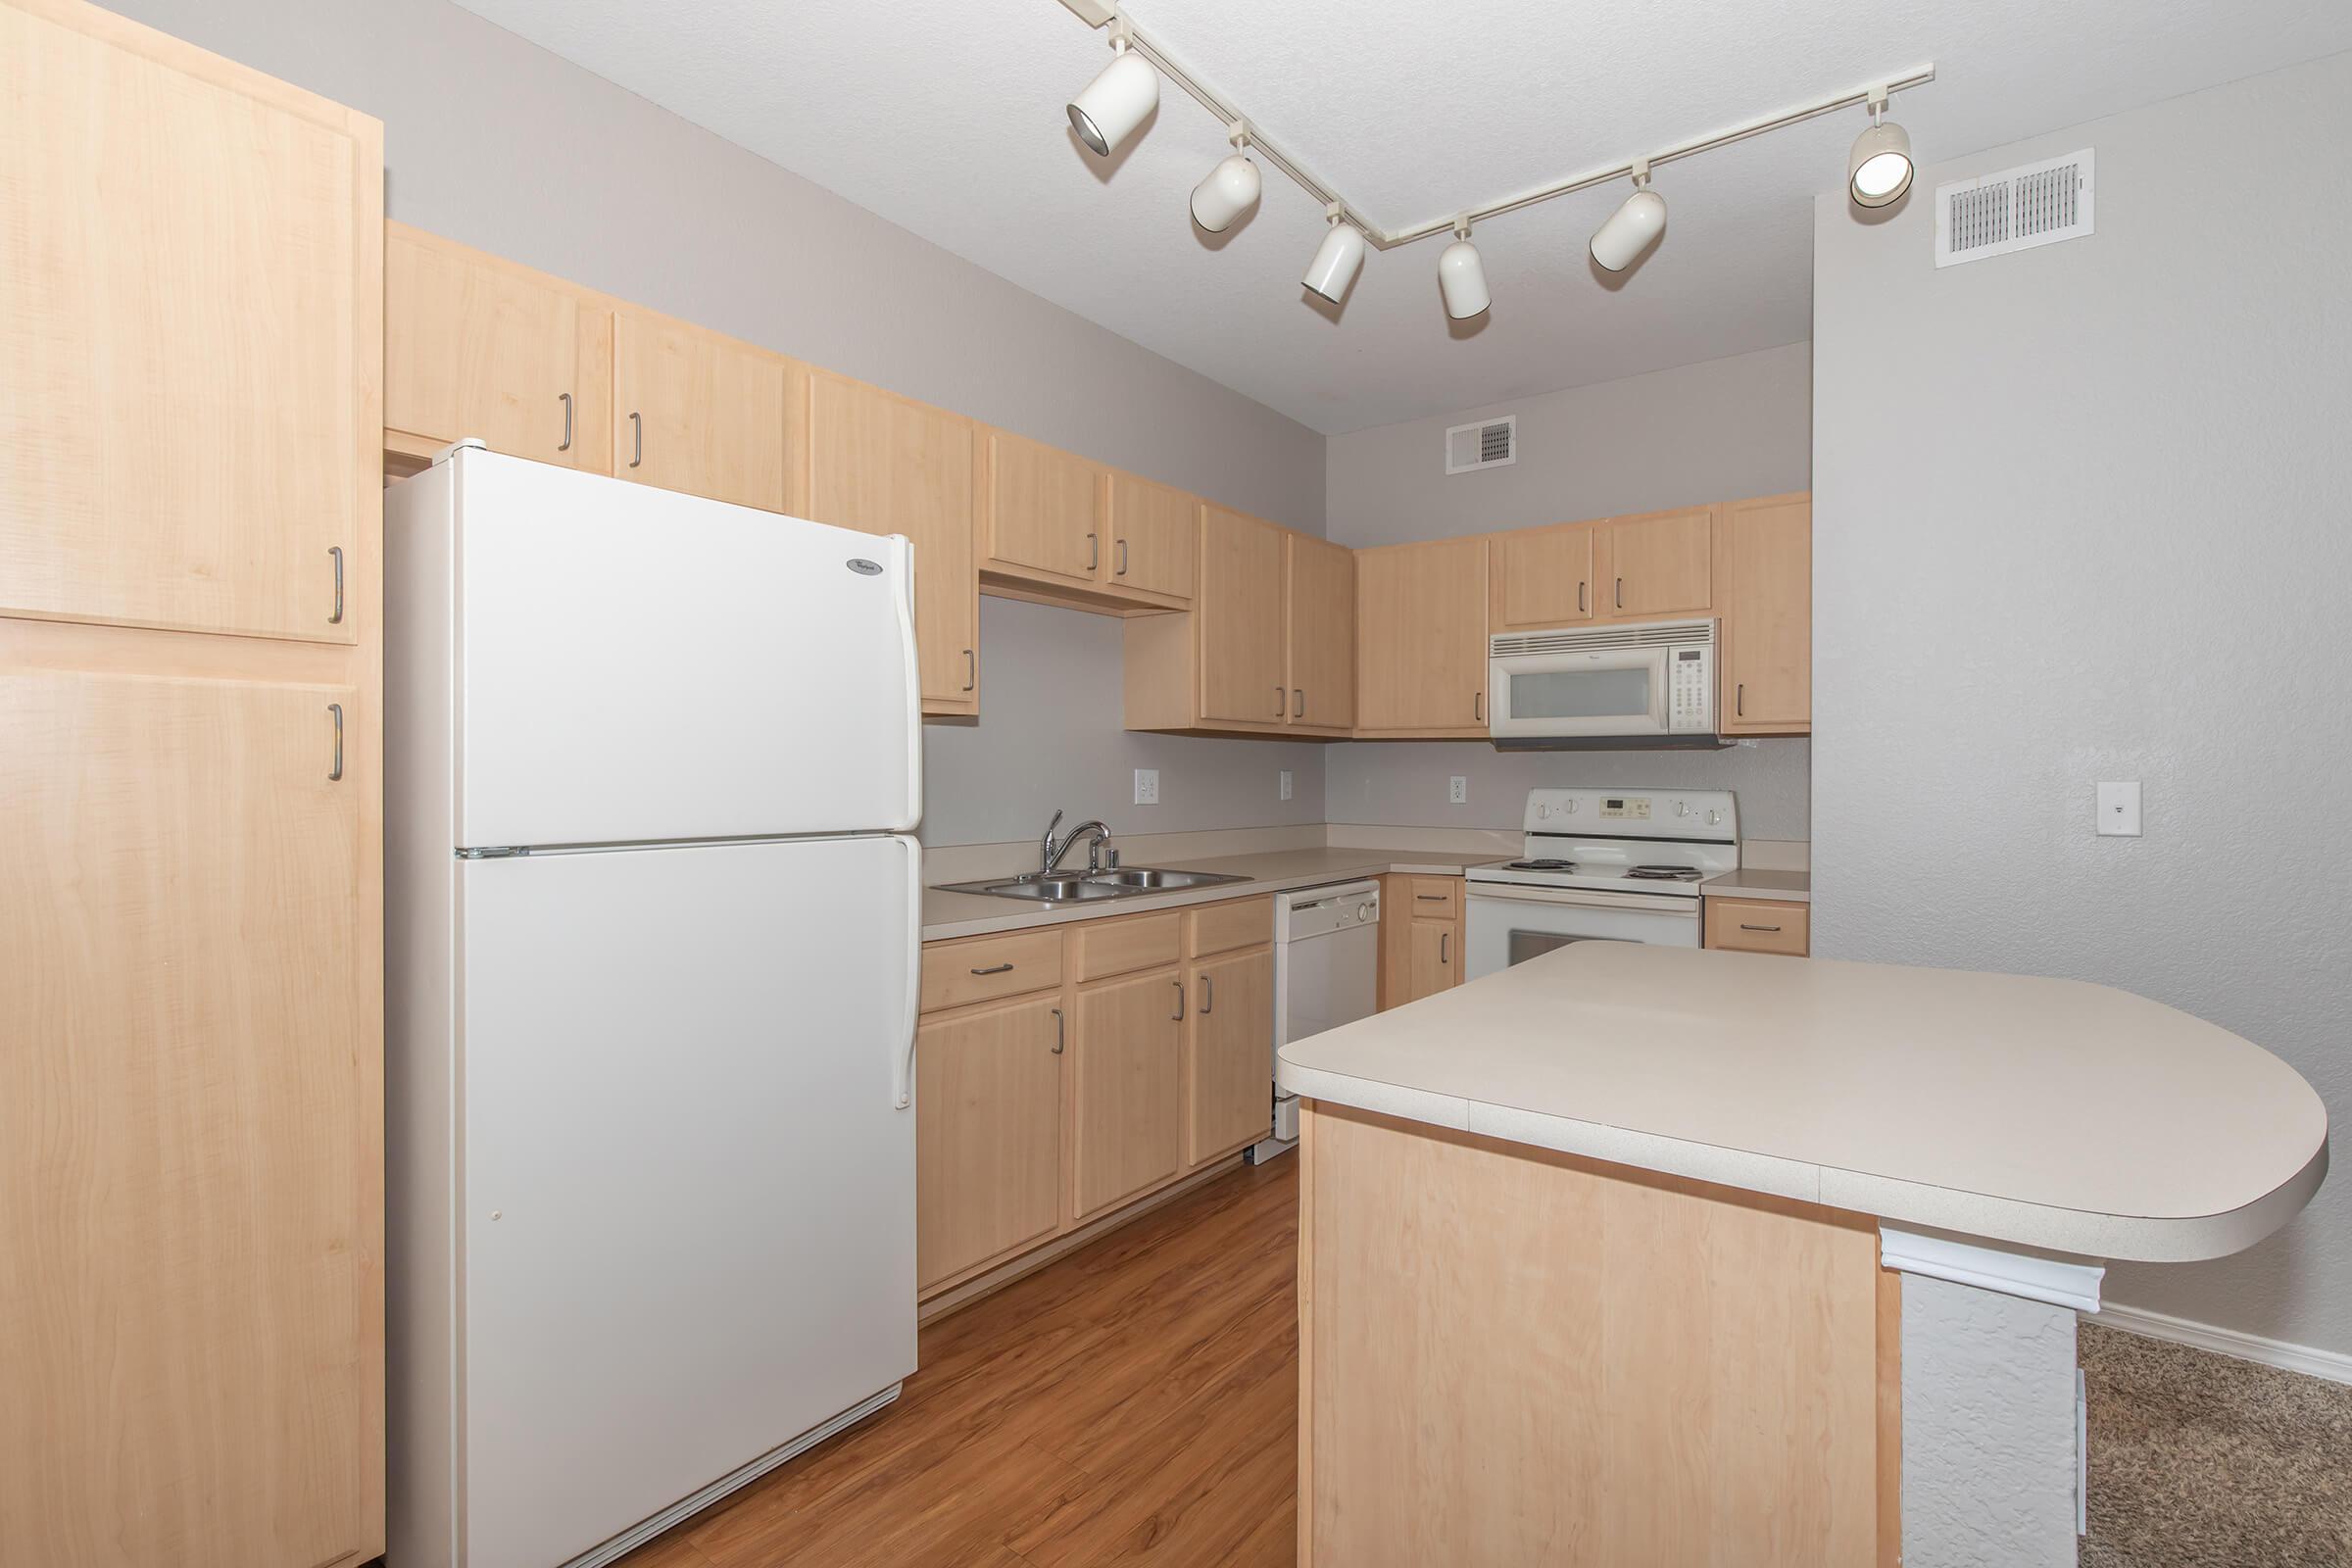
(1657, 566)
(190, 299)
(1041, 510)
(885, 464)
(1318, 634)
(478, 346)
(1243, 675)
(1151, 537)
(1543, 577)
(1764, 586)
(988, 1133)
(1421, 639)
(1126, 1089)
(696, 411)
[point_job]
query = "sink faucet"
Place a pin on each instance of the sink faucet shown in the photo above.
(1051, 849)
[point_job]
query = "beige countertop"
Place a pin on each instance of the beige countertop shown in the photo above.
(1789, 887)
(2049, 1113)
(968, 914)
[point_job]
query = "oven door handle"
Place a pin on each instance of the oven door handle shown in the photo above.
(1587, 899)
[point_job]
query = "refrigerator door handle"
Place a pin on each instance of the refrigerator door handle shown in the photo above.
(908, 659)
(903, 1074)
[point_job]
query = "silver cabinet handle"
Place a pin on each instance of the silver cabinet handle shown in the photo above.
(1282, 700)
(998, 968)
(1298, 701)
(1579, 599)
(1434, 898)
(1209, 994)
(1061, 1031)
(1445, 947)
(1094, 552)
(1121, 570)
(1744, 926)
(971, 670)
(1178, 1015)
(1740, 704)
(336, 551)
(1621, 593)
(334, 773)
(636, 438)
(565, 445)
(1477, 707)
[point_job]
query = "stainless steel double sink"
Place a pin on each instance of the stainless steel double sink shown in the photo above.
(1068, 887)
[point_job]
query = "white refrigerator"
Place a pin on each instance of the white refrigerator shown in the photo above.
(653, 922)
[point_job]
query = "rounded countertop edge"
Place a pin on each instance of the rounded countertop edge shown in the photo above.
(1992, 1218)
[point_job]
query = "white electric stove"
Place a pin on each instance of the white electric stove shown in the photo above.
(1601, 865)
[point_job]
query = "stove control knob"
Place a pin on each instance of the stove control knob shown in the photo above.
(1363, 912)
(1714, 818)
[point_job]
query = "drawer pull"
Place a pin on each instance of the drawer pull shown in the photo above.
(1060, 1032)
(1434, 898)
(998, 968)
(1744, 926)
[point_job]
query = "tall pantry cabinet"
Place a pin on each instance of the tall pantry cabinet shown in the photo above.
(191, 1197)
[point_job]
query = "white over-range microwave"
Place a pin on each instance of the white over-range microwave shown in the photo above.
(1650, 684)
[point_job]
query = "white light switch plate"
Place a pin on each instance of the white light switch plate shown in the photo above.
(1458, 791)
(2118, 811)
(1286, 783)
(1147, 786)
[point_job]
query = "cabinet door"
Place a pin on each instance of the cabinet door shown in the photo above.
(1543, 577)
(1765, 555)
(696, 411)
(190, 1184)
(1436, 957)
(988, 1134)
(888, 464)
(1421, 638)
(475, 346)
(1319, 633)
(1657, 565)
(1239, 611)
(1126, 1089)
(191, 334)
(1230, 1051)
(1151, 537)
(1043, 509)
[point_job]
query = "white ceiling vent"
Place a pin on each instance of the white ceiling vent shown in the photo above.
(1488, 444)
(2015, 210)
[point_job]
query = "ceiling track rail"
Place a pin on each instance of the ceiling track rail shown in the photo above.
(1097, 14)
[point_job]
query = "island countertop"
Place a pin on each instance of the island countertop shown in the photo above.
(2043, 1112)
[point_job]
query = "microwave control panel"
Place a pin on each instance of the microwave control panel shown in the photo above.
(1690, 688)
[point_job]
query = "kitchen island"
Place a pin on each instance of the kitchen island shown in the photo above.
(1607, 1259)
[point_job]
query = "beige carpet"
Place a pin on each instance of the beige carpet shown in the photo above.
(2201, 1461)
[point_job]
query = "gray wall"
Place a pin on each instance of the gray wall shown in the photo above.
(2080, 513)
(1402, 783)
(495, 142)
(1713, 431)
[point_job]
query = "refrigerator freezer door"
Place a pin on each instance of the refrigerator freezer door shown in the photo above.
(637, 666)
(687, 1219)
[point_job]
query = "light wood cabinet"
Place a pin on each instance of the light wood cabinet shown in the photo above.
(1760, 925)
(1543, 577)
(1152, 538)
(988, 1133)
(1318, 635)
(1229, 1053)
(1126, 1089)
(885, 464)
(1764, 584)
(478, 346)
(1041, 510)
(1657, 566)
(1239, 620)
(696, 411)
(1421, 932)
(1421, 639)
(191, 1089)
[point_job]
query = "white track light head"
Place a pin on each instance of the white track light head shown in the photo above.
(1338, 259)
(1878, 169)
(1462, 276)
(1632, 227)
(1230, 190)
(1116, 101)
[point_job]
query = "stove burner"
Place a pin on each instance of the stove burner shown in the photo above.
(1541, 865)
(1662, 874)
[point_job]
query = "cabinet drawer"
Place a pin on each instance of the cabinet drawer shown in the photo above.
(1427, 897)
(1222, 927)
(1115, 947)
(986, 967)
(1751, 925)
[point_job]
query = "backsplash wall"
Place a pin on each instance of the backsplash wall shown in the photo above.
(1404, 783)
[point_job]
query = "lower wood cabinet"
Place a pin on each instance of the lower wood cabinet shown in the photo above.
(1420, 936)
(988, 1153)
(1126, 1078)
(1760, 925)
(1229, 1053)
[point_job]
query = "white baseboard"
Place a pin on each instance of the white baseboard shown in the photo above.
(2328, 1364)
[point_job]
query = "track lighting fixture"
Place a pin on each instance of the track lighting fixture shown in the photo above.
(1634, 226)
(1119, 99)
(1338, 257)
(1461, 275)
(1878, 169)
(1231, 188)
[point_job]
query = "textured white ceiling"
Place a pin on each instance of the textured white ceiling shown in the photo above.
(946, 117)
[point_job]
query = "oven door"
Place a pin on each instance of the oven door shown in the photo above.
(1611, 691)
(1510, 927)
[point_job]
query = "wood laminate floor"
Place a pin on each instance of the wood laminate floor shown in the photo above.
(1133, 1403)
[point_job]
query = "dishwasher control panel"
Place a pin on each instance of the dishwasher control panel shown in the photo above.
(1318, 911)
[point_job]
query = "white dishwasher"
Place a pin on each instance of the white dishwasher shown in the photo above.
(1326, 973)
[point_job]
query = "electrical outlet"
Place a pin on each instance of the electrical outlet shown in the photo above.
(1458, 791)
(2118, 811)
(1286, 783)
(1147, 786)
